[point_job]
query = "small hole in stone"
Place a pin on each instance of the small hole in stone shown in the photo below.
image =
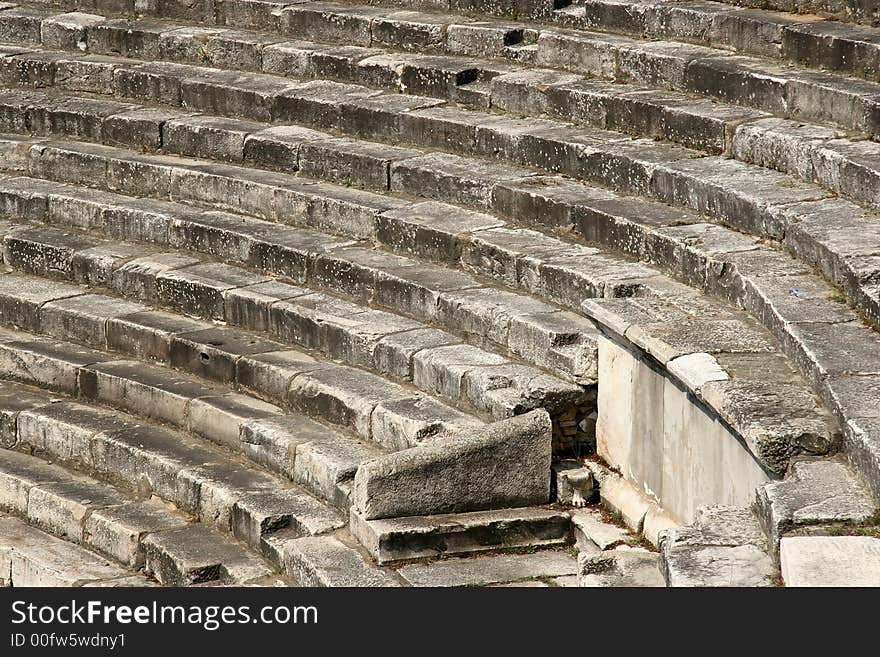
(205, 357)
(513, 37)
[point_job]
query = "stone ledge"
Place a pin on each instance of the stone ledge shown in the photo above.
(730, 363)
(425, 537)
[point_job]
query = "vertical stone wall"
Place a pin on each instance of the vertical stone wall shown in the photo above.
(665, 441)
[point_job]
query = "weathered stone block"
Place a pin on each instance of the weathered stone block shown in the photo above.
(503, 464)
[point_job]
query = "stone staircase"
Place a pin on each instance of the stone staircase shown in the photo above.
(305, 293)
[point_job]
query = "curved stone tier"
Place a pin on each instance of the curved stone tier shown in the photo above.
(367, 266)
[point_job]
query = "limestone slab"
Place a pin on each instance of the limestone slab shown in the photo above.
(830, 561)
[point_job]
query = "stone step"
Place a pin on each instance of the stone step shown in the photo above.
(263, 13)
(724, 547)
(427, 537)
(594, 533)
(201, 480)
(30, 557)
(844, 264)
(546, 566)
(843, 10)
(742, 196)
(728, 361)
(815, 496)
(265, 515)
(807, 39)
(295, 447)
(621, 566)
(319, 462)
(267, 368)
(397, 282)
(74, 507)
(825, 156)
(748, 81)
(733, 404)
(103, 518)
(194, 554)
(464, 78)
(826, 561)
(721, 398)
(335, 327)
(678, 67)
(326, 561)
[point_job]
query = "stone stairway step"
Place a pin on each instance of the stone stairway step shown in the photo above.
(621, 566)
(270, 12)
(199, 479)
(194, 554)
(725, 547)
(721, 398)
(674, 332)
(679, 117)
(730, 195)
(676, 66)
(326, 561)
(335, 327)
(232, 495)
(815, 493)
(232, 420)
(107, 520)
(204, 483)
(729, 191)
(426, 537)
(842, 10)
(802, 38)
(485, 570)
(396, 282)
(830, 561)
(737, 268)
(667, 353)
(593, 533)
(848, 167)
(641, 110)
(30, 557)
(801, 233)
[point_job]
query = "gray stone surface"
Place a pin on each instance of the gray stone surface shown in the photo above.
(420, 537)
(815, 493)
(575, 485)
(698, 75)
(14, 399)
(480, 571)
(830, 561)
(326, 561)
(258, 514)
(725, 547)
(63, 507)
(144, 390)
(19, 474)
(195, 554)
(503, 464)
(119, 531)
(622, 497)
(590, 527)
(29, 557)
(622, 566)
(344, 396)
